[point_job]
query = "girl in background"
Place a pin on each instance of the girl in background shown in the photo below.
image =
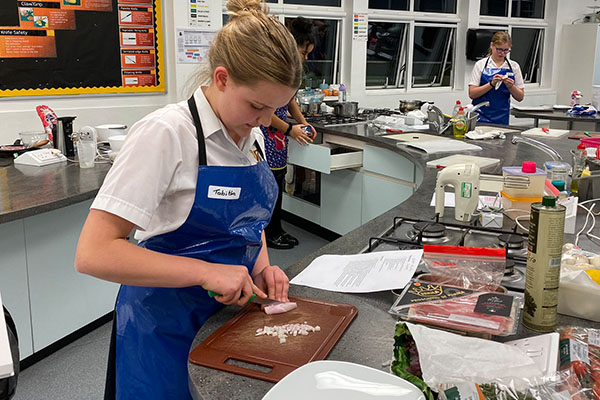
(276, 139)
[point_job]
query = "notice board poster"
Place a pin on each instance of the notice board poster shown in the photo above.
(56, 47)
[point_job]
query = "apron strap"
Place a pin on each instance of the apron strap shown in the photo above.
(199, 132)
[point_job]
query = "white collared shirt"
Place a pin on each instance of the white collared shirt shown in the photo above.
(153, 181)
(479, 65)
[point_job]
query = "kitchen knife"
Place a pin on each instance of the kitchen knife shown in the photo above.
(253, 299)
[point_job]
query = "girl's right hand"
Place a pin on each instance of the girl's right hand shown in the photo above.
(233, 283)
(300, 136)
(496, 79)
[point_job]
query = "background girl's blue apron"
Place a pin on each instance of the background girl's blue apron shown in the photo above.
(154, 327)
(498, 112)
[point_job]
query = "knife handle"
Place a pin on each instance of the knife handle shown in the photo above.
(213, 294)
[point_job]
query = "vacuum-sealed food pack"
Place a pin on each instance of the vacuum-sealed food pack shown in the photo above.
(453, 307)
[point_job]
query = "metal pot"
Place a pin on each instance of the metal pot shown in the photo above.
(410, 105)
(346, 108)
(304, 107)
(314, 107)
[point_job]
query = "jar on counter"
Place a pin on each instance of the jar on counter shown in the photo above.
(558, 171)
(537, 180)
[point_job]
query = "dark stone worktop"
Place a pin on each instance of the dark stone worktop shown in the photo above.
(369, 339)
(27, 190)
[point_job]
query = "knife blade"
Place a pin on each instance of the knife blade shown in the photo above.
(253, 299)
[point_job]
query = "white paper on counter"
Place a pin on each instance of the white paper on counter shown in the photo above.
(442, 145)
(361, 273)
(6, 363)
(450, 358)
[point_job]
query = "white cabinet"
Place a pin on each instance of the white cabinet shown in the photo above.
(62, 300)
(324, 157)
(358, 182)
(579, 64)
(13, 282)
(341, 201)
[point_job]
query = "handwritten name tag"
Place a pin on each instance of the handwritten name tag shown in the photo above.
(224, 192)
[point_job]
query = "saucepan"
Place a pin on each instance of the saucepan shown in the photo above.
(346, 108)
(108, 130)
(411, 105)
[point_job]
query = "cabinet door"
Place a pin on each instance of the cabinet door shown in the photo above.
(341, 201)
(62, 300)
(380, 194)
(13, 282)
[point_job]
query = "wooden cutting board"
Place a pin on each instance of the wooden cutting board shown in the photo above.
(581, 135)
(234, 347)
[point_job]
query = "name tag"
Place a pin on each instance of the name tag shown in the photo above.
(224, 192)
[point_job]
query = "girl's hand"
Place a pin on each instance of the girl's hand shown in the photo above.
(233, 283)
(496, 79)
(273, 281)
(509, 82)
(300, 136)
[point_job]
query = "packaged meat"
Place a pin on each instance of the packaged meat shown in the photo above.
(580, 356)
(479, 312)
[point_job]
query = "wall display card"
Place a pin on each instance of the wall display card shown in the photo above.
(55, 47)
(87, 5)
(22, 43)
(360, 27)
(137, 37)
(193, 45)
(135, 15)
(199, 13)
(45, 15)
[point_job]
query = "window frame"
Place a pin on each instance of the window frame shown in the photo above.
(403, 55)
(415, 18)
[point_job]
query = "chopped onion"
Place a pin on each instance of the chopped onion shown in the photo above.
(282, 331)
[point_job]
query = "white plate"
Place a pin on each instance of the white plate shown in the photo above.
(339, 380)
(561, 107)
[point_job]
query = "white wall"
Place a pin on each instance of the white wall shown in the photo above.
(18, 114)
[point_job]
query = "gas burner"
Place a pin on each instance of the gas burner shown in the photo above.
(510, 241)
(510, 268)
(430, 232)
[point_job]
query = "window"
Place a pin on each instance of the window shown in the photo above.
(439, 6)
(386, 54)
(334, 3)
(433, 55)
(520, 8)
(527, 51)
(389, 4)
(323, 61)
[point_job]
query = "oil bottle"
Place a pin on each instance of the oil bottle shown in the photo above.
(546, 227)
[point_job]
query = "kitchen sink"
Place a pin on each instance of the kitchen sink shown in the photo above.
(413, 137)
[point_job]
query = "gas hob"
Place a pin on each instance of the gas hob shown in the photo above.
(409, 234)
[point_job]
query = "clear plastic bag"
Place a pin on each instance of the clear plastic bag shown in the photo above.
(467, 267)
(452, 307)
(580, 361)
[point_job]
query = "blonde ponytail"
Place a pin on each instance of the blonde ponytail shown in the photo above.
(254, 47)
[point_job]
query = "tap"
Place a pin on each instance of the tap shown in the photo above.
(477, 107)
(437, 120)
(538, 145)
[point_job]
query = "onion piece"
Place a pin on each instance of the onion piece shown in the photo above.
(279, 308)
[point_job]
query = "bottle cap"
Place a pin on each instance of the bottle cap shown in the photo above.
(458, 102)
(549, 201)
(581, 146)
(529, 167)
(559, 184)
(342, 87)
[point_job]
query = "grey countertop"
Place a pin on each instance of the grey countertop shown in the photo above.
(369, 339)
(27, 190)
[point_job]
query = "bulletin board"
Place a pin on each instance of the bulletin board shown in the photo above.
(58, 47)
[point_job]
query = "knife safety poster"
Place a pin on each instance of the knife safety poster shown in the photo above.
(56, 47)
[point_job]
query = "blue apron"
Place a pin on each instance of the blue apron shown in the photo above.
(154, 327)
(498, 111)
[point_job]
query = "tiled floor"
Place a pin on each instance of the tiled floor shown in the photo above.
(77, 371)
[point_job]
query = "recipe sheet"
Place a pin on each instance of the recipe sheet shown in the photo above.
(361, 273)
